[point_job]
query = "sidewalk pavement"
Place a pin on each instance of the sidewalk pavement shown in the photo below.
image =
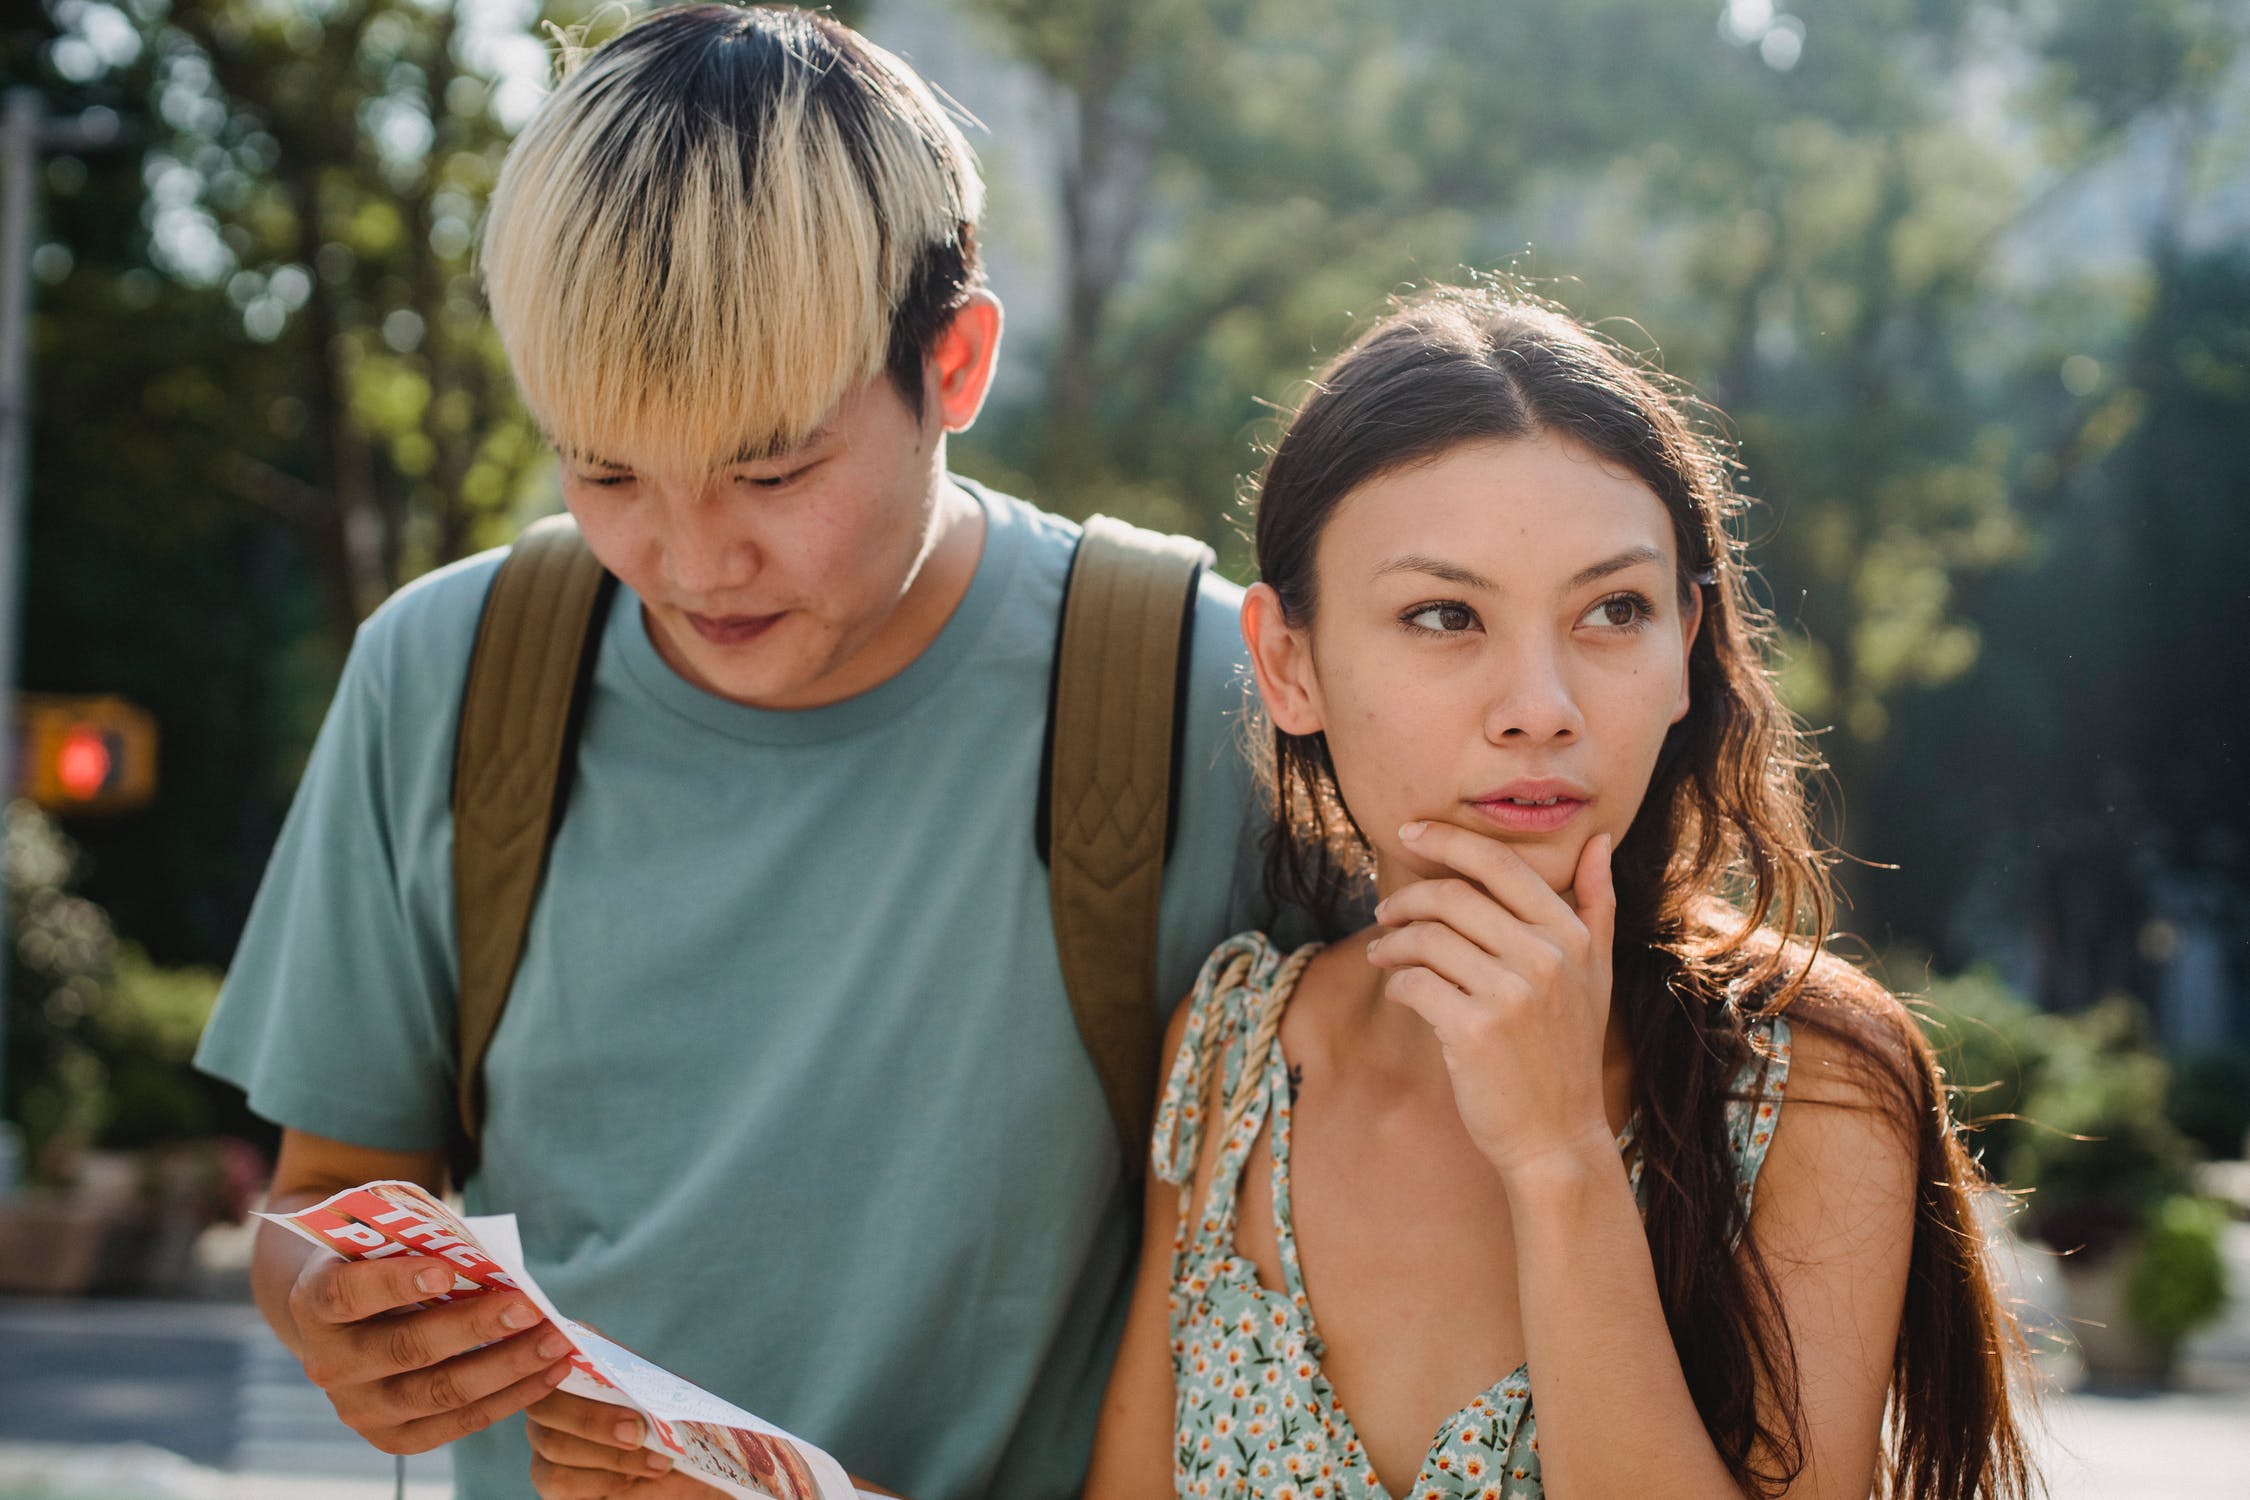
(127, 1400)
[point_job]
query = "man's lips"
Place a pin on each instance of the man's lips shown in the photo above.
(730, 630)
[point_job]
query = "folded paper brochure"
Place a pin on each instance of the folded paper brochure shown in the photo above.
(722, 1445)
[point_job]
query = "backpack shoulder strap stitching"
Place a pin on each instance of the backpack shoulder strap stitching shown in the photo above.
(1116, 718)
(515, 748)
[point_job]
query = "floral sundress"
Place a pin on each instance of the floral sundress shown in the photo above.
(1254, 1417)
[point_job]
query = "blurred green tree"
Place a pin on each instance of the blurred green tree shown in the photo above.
(269, 394)
(340, 162)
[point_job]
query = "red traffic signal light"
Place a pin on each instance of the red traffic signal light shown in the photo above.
(86, 755)
(84, 762)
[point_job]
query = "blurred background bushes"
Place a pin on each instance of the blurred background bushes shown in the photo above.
(99, 1038)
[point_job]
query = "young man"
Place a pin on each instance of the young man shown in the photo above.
(789, 1094)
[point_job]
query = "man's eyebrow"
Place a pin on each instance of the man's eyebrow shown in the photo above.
(1629, 558)
(773, 448)
(578, 455)
(748, 453)
(1415, 562)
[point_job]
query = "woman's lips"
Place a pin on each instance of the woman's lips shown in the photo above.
(730, 630)
(1529, 817)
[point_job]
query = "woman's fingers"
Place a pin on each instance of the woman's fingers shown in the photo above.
(1448, 1011)
(1460, 904)
(1503, 873)
(1593, 893)
(1435, 946)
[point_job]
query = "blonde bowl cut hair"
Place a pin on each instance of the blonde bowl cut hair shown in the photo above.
(721, 222)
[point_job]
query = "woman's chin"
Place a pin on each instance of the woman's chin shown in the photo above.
(1555, 863)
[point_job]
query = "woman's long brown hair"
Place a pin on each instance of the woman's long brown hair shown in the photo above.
(1723, 897)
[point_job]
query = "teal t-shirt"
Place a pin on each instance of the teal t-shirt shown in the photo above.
(788, 1095)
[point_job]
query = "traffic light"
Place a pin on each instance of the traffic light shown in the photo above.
(86, 755)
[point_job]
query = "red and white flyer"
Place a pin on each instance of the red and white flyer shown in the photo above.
(720, 1444)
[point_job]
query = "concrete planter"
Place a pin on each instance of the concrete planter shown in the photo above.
(2115, 1351)
(52, 1246)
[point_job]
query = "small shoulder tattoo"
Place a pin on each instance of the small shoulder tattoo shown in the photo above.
(1296, 1080)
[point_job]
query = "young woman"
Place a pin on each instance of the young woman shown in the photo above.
(1523, 1143)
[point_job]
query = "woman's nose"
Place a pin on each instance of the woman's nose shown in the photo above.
(1532, 702)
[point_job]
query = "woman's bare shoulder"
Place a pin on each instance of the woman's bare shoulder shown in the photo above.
(1851, 1039)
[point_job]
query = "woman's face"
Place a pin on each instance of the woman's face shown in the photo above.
(1498, 642)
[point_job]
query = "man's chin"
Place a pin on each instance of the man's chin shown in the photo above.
(754, 676)
(758, 685)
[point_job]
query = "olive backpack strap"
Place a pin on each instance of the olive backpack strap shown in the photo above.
(1108, 795)
(513, 757)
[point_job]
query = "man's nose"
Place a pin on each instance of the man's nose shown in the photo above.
(708, 551)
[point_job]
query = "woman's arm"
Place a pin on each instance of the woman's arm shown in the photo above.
(1834, 1220)
(1133, 1446)
(1504, 969)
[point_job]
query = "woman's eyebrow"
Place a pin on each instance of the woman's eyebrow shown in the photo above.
(1414, 562)
(1454, 573)
(1631, 557)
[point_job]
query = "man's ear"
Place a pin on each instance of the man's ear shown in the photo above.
(962, 360)
(1281, 658)
(1691, 623)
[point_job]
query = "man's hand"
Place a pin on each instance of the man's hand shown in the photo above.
(411, 1381)
(591, 1450)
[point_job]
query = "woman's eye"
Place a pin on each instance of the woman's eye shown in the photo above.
(607, 481)
(1619, 612)
(1442, 619)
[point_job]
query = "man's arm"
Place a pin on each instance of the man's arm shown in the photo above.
(406, 1381)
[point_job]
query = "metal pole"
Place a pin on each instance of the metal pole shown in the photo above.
(19, 159)
(26, 134)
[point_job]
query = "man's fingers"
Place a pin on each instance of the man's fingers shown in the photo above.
(384, 1347)
(570, 1451)
(350, 1291)
(436, 1431)
(595, 1421)
(470, 1378)
(555, 1482)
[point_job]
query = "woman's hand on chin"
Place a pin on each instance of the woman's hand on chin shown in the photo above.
(1515, 981)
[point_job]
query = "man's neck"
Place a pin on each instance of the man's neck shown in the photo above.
(939, 586)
